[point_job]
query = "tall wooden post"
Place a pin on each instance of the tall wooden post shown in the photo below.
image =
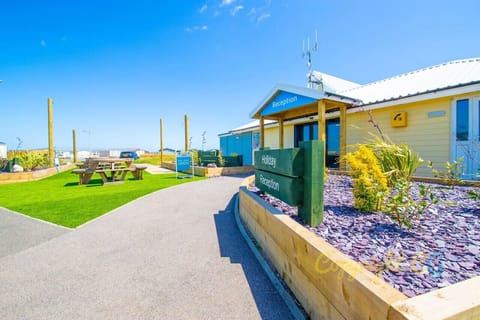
(74, 146)
(343, 136)
(280, 133)
(262, 132)
(51, 154)
(312, 209)
(321, 120)
(321, 127)
(161, 142)
(186, 133)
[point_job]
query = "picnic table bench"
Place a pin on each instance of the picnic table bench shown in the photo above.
(137, 171)
(111, 170)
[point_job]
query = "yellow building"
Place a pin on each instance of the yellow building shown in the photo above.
(435, 110)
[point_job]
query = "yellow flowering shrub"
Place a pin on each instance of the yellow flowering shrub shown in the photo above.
(369, 182)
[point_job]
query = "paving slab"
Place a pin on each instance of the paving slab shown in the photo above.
(174, 254)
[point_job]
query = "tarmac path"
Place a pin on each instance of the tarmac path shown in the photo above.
(173, 254)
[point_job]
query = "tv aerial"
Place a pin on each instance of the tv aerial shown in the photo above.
(307, 52)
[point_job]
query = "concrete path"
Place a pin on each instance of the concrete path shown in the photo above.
(153, 169)
(174, 254)
(19, 232)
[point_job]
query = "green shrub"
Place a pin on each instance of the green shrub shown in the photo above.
(195, 157)
(452, 174)
(403, 208)
(369, 182)
(221, 161)
(398, 162)
(30, 160)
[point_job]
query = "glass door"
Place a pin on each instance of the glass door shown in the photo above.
(309, 131)
(466, 122)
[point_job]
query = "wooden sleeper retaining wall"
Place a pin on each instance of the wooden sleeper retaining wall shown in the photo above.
(213, 172)
(330, 285)
(11, 177)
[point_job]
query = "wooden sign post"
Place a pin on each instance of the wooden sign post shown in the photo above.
(294, 176)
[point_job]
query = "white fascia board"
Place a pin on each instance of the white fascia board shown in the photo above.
(226, 134)
(330, 115)
(416, 98)
(255, 128)
(311, 93)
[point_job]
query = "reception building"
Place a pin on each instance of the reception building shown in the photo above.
(435, 110)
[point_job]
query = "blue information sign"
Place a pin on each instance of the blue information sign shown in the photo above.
(285, 101)
(184, 163)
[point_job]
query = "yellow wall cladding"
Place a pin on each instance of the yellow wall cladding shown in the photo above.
(430, 137)
(271, 137)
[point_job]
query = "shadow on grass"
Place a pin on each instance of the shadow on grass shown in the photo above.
(92, 183)
(71, 184)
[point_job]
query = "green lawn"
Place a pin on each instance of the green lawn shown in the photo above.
(60, 200)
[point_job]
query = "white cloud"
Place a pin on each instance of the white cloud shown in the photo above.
(263, 17)
(43, 43)
(235, 10)
(196, 28)
(252, 11)
(203, 8)
(226, 3)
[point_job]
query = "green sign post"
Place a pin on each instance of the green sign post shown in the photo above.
(294, 176)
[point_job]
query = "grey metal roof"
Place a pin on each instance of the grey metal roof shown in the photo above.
(435, 78)
(331, 83)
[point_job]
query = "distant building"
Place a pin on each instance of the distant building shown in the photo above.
(114, 153)
(64, 155)
(3, 150)
(169, 151)
(82, 155)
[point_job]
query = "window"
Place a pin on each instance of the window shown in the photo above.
(462, 120)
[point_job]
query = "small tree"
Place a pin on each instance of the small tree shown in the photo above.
(221, 160)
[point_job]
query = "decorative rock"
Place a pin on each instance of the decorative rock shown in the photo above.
(17, 168)
(441, 248)
(475, 250)
(440, 243)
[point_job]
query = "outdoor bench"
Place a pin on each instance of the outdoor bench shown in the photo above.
(137, 171)
(83, 173)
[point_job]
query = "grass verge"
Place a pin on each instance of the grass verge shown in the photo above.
(60, 200)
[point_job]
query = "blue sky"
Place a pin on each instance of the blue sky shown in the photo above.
(114, 68)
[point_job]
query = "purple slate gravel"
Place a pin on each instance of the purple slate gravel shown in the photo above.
(441, 248)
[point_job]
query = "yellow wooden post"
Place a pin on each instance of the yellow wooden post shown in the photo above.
(186, 133)
(281, 133)
(343, 136)
(262, 132)
(74, 146)
(321, 120)
(161, 142)
(321, 128)
(51, 154)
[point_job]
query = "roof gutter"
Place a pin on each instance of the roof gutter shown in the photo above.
(427, 95)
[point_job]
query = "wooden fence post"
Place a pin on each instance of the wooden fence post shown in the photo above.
(312, 210)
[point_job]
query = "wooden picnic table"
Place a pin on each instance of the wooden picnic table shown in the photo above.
(111, 170)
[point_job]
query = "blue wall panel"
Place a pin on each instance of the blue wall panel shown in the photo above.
(240, 144)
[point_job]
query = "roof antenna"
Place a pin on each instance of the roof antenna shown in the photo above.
(308, 53)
